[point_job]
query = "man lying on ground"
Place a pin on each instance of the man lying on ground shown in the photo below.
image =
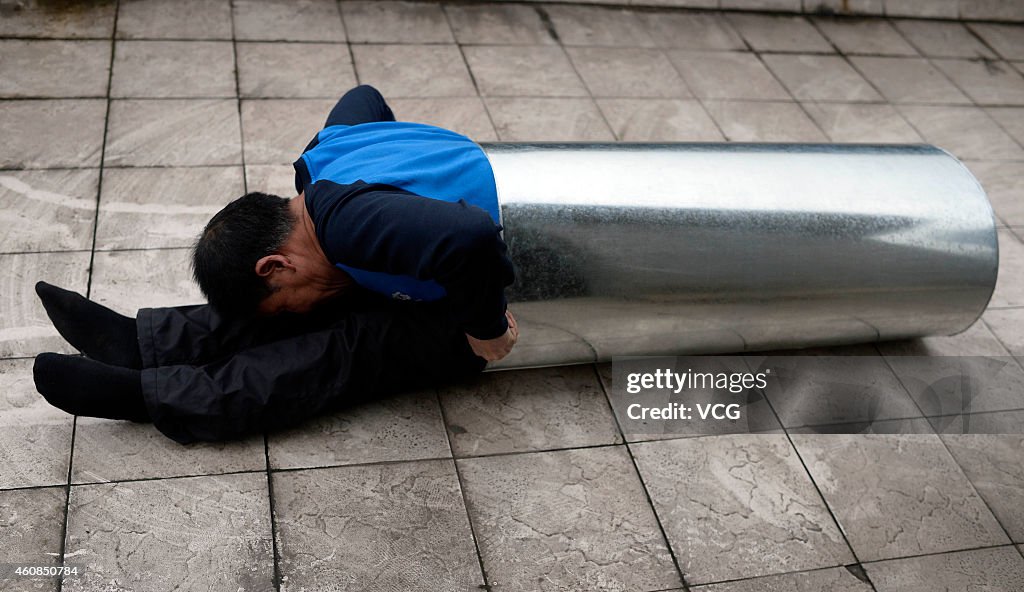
(385, 273)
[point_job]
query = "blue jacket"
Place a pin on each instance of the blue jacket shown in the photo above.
(410, 211)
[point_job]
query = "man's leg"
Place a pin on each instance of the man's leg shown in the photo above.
(367, 353)
(198, 334)
(362, 104)
(193, 334)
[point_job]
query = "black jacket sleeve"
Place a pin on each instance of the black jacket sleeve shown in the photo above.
(383, 228)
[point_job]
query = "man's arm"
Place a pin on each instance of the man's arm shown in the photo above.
(382, 228)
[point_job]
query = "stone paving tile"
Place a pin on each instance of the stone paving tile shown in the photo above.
(275, 179)
(1008, 326)
(726, 75)
(779, 33)
(691, 30)
(32, 520)
(909, 80)
(932, 8)
(967, 132)
(173, 132)
(917, 425)
(898, 495)
(1006, 10)
(781, 5)
(942, 39)
(1011, 119)
(407, 427)
(816, 77)
(566, 520)
(174, 19)
(511, 24)
(172, 534)
(276, 130)
(41, 19)
(25, 330)
(396, 526)
(33, 68)
(993, 464)
(1010, 283)
(988, 82)
(747, 121)
(294, 70)
(35, 438)
(414, 70)
(977, 340)
(869, 35)
(109, 450)
(999, 423)
(860, 122)
(834, 385)
(464, 115)
(162, 207)
(950, 385)
(516, 411)
(396, 22)
(659, 120)
(738, 506)
(49, 210)
(538, 119)
(173, 69)
(996, 570)
(998, 381)
(628, 72)
(1005, 39)
(288, 20)
(834, 579)
(51, 133)
(598, 25)
(537, 71)
(129, 280)
(1004, 185)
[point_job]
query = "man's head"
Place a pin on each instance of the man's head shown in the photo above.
(249, 231)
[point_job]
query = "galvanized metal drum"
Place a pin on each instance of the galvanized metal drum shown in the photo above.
(652, 249)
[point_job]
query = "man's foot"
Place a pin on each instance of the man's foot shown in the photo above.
(82, 386)
(93, 329)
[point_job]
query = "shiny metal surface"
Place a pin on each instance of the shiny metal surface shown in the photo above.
(657, 249)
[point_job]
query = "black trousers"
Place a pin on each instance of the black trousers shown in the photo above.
(207, 378)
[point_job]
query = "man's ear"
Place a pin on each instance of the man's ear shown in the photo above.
(271, 263)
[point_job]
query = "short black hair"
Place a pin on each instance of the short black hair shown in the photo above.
(225, 255)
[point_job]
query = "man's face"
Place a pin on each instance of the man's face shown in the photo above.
(299, 298)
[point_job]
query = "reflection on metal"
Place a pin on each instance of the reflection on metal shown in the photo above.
(657, 249)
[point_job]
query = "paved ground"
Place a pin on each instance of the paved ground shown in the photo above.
(125, 127)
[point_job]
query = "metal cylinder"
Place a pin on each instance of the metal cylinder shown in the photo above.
(666, 249)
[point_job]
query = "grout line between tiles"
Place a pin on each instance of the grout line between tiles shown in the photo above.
(472, 76)
(273, 519)
(949, 453)
(245, 189)
(462, 492)
(980, 106)
(643, 484)
(88, 289)
(810, 477)
(550, 26)
(67, 501)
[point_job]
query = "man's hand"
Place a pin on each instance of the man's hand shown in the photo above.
(497, 348)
